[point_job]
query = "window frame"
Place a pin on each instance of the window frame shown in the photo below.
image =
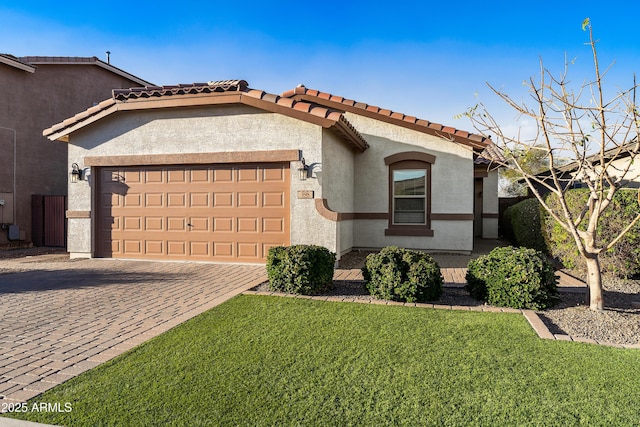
(409, 161)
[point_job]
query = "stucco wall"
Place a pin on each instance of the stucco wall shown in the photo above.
(337, 174)
(451, 186)
(32, 102)
(490, 205)
(201, 130)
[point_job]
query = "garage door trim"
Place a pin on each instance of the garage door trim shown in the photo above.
(267, 156)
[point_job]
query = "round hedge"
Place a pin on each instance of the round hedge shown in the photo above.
(405, 275)
(300, 269)
(513, 277)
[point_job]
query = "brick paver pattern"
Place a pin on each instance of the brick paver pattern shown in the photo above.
(60, 319)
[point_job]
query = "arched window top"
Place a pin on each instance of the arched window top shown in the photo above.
(410, 155)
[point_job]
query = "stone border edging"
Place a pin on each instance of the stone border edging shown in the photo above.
(532, 317)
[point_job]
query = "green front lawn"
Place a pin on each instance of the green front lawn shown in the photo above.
(282, 361)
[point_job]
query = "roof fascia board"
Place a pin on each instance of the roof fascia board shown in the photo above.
(195, 100)
(389, 119)
(344, 131)
(17, 64)
(63, 134)
(122, 73)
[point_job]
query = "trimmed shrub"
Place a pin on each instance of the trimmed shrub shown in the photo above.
(623, 259)
(513, 277)
(506, 225)
(399, 274)
(525, 225)
(300, 269)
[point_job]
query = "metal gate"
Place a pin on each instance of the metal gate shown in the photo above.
(48, 220)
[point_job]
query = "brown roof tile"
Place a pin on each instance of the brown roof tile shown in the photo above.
(478, 142)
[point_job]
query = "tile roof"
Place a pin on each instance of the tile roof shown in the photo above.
(478, 142)
(491, 154)
(181, 89)
(219, 92)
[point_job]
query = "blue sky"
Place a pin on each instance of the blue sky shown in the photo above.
(427, 59)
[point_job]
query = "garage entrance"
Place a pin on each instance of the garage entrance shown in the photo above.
(226, 212)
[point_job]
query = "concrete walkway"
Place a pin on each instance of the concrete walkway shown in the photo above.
(61, 318)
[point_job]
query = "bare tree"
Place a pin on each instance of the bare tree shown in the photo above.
(579, 126)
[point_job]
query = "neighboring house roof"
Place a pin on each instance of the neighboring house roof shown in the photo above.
(620, 152)
(13, 61)
(77, 60)
(478, 142)
(212, 93)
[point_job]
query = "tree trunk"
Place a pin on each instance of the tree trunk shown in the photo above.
(595, 298)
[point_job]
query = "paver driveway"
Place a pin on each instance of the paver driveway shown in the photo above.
(61, 318)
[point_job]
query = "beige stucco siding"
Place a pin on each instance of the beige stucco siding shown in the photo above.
(490, 205)
(451, 186)
(337, 176)
(201, 130)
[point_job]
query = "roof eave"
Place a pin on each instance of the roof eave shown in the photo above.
(17, 64)
(476, 142)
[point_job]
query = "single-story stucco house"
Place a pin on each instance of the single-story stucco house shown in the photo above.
(619, 161)
(221, 172)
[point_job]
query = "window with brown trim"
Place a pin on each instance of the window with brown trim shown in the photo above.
(409, 194)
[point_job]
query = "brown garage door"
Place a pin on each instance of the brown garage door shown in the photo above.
(204, 212)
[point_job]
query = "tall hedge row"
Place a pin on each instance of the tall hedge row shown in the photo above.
(524, 225)
(624, 258)
(527, 224)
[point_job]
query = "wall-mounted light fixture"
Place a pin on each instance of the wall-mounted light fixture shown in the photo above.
(303, 170)
(76, 173)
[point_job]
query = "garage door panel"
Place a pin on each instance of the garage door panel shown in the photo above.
(248, 175)
(132, 247)
(222, 175)
(133, 200)
(199, 175)
(212, 212)
(132, 223)
(176, 224)
(222, 199)
(176, 248)
(153, 223)
(199, 200)
(176, 200)
(200, 249)
(248, 199)
(272, 225)
(274, 174)
(154, 247)
(248, 250)
(132, 176)
(222, 224)
(154, 200)
(247, 225)
(199, 225)
(222, 249)
(273, 199)
(153, 176)
(176, 176)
